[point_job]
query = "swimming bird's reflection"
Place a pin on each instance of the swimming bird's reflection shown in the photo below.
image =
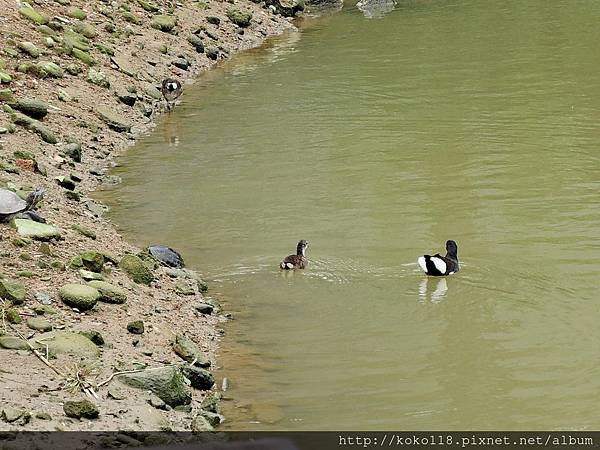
(437, 295)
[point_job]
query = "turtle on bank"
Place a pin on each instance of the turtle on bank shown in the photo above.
(166, 256)
(11, 205)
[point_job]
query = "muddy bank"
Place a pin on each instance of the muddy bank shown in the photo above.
(79, 82)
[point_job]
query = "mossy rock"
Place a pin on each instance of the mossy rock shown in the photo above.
(94, 336)
(33, 15)
(13, 343)
(167, 383)
(196, 42)
(35, 126)
(84, 231)
(189, 351)
(13, 291)
(67, 343)
(164, 22)
(131, 18)
(81, 409)
(6, 95)
(47, 31)
(33, 107)
(93, 260)
(5, 78)
(200, 424)
(83, 56)
(211, 403)
(39, 324)
(199, 378)
(98, 78)
(114, 120)
(86, 30)
(241, 19)
(149, 6)
(77, 13)
(29, 48)
(136, 327)
(51, 69)
(109, 293)
(135, 268)
(13, 316)
(79, 296)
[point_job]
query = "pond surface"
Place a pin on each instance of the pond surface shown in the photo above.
(377, 140)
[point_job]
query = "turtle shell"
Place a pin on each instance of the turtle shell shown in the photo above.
(11, 203)
(166, 256)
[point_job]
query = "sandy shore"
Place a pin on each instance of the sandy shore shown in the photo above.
(79, 84)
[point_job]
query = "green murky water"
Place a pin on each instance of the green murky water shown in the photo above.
(377, 140)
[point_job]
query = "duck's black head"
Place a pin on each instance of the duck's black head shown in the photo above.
(301, 248)
(452, 249)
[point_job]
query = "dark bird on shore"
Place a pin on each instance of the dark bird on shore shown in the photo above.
(438, 265)
(171, 90)
(297, 261)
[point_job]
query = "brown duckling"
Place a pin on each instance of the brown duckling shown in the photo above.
(297, 261)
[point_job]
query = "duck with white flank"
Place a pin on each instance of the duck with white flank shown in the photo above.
(297, 261)
(438, 265)
(171, 90)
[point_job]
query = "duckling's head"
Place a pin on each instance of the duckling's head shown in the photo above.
(452, 248)
(301, 248)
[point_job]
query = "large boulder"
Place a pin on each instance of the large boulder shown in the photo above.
(79, 296)
(167, 383)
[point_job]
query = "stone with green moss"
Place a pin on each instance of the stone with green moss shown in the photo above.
(149, 6)
(84, 231)
(81, 409)
(98, 78)
(79, 296)
(13, 343)
(164, 22)
(135, 268)
(67, 343)
(13, 316)
(12, 291)
(34, 125)
(136, 327)
(240, 18)
(5, 78)
(167, 383)
(39, 324)
(83, 56)
(29, 48)
(109, 293)
(189, 351)
(77, 13)
(6, 95)
(86, 30)
(33, 107)
(114, 120)
(93, 260)
(33, 15)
